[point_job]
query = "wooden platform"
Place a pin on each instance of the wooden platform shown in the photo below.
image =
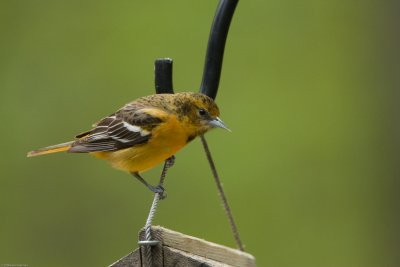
(177, 249)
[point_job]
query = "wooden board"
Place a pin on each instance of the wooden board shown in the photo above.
(131, 260)
(177, 249)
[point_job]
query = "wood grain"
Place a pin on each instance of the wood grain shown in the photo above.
(177, 249)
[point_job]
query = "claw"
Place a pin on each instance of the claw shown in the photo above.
(159, 189)
(163, 195)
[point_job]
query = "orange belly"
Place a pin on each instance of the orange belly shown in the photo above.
(166, 140)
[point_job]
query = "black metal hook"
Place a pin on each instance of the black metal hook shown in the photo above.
(214, 55)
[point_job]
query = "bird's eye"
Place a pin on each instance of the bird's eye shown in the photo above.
(202, 112)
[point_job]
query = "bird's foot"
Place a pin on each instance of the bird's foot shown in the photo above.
(159, 189)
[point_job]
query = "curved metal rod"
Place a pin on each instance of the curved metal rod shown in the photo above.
(216, 46)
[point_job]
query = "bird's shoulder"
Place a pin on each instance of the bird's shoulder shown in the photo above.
(141, 115)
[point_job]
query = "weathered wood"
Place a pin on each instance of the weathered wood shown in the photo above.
(202, 248)
(177, 249)
(131, 260)
(178, 258)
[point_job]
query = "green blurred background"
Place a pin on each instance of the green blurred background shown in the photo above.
(309, 88)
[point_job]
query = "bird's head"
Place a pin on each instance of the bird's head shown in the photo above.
(200, 111)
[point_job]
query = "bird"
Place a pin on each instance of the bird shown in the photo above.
(145, 132)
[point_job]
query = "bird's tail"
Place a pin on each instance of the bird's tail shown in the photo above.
(50, 149)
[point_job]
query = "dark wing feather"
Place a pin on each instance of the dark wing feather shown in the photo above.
(126, 128)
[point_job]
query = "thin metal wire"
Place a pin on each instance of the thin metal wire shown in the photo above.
(222, 194)
(148, 242)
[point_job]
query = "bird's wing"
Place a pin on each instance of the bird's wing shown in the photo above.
(127, 127)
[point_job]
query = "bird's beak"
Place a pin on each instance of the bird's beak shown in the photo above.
(218, 123)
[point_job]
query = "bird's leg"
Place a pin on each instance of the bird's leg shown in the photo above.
(169, 162)
(155, 189)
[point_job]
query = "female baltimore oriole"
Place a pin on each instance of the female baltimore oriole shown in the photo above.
(145, 132)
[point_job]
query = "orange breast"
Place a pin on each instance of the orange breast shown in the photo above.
(166, 140)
